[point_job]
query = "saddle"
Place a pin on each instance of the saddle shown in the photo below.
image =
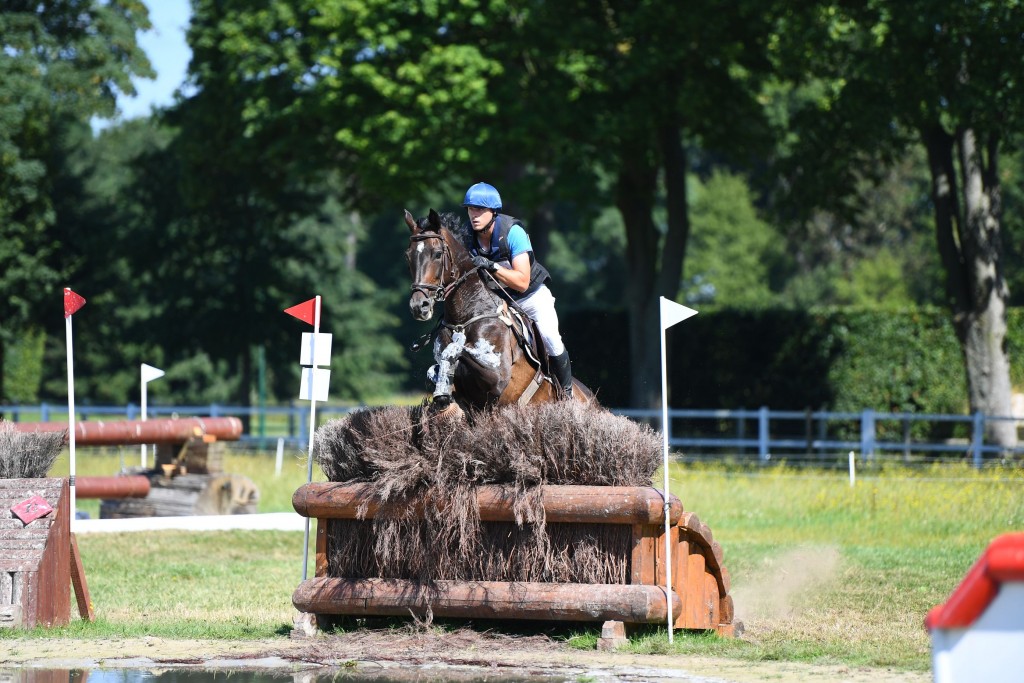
(527, 335)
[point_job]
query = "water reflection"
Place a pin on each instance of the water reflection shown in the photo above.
(405, 675)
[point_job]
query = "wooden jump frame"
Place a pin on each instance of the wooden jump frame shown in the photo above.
(39, 561)
(700, 583)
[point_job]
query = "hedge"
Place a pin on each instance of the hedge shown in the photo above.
(840, 360)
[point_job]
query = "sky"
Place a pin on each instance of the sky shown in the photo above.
(165, 46)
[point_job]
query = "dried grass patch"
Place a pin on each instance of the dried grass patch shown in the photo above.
(28, 455)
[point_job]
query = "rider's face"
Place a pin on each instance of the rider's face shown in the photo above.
(479, 217)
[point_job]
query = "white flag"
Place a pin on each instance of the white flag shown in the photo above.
(149, 373)
(672, 313)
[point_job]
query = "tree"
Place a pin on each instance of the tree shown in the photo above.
(407, 97)
(245, 214)
(955, 93)
(61, 63)
(736, 259)
(103, 229)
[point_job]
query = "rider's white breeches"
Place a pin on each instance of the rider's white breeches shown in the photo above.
(541, 307)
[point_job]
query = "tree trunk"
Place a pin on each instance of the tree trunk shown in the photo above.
(635, 201)
(654, 265)
(971, 251)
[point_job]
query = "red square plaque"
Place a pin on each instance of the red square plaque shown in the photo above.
(31, 509)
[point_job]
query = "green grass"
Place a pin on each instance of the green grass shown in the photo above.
(821, 572)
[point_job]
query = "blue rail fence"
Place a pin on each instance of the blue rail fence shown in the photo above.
(760, 435)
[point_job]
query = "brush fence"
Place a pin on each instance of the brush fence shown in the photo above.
(700, 583)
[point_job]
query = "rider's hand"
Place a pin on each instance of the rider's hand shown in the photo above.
(484, 263)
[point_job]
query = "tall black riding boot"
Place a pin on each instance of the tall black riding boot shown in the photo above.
(562, 371)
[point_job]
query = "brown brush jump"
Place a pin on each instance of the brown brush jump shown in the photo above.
(700, 584)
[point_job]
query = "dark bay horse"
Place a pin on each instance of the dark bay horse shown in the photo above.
(479, 356)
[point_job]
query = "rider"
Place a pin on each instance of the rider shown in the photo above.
(500, 245)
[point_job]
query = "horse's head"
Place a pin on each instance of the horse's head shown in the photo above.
(436, 260)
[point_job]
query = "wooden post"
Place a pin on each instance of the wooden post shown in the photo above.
(78, 581)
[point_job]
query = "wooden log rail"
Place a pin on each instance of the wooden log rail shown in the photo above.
(485, 599)
(129, 486)
(700, 584)
(128, 432)
(569, 504)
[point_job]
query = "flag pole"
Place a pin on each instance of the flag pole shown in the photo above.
(312, 427)
(142, 401)
(72, 302)
(147, 373)
(71, 412)
(664, 434)
(670, 314)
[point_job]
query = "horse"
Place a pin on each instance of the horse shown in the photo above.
(479, 346)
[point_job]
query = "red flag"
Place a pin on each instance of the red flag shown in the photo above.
(306, 311)
(72, 302)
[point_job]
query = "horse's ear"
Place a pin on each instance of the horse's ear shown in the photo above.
(434, 220)
(411, 222)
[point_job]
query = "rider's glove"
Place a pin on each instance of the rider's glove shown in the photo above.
(484, 263)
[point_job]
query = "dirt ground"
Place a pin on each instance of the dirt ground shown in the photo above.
(417, 655)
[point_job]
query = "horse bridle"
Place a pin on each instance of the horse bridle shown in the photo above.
(440, 291)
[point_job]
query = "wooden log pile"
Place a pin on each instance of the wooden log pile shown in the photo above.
(700, 582)
(521, 512)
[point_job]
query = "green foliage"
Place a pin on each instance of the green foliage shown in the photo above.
(1012, 172)
(23, 367)
(875, 282)
(734, 257)
(1015, 345)
(826, 359)
(897, 362)
(587, 265)
(881, 253)
(61, 64)
(941, 76)
(198, 380)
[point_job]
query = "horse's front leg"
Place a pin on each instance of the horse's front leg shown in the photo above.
(443, 373)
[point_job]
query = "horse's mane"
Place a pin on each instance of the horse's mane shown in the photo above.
(452, 223)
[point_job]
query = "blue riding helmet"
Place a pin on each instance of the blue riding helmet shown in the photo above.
(482, 195)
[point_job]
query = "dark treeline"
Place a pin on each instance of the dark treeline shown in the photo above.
(740, 155)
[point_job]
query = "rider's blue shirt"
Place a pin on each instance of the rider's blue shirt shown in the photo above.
(518, 242)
